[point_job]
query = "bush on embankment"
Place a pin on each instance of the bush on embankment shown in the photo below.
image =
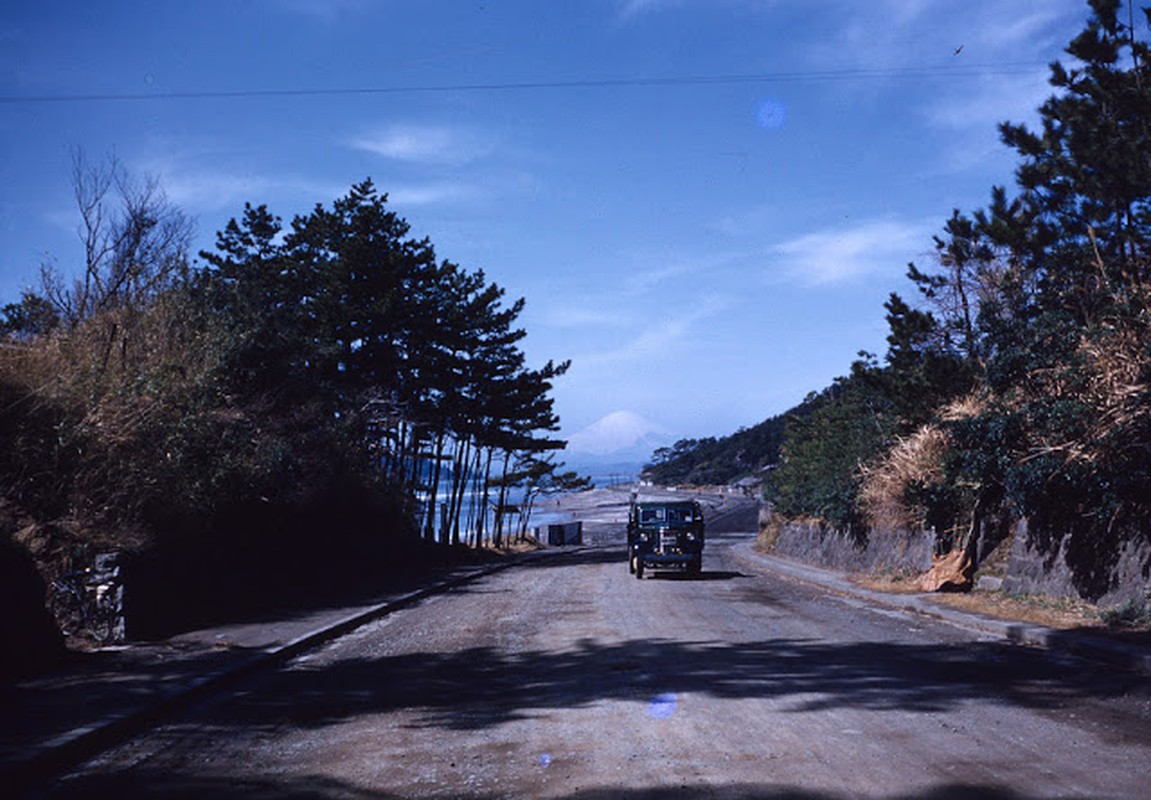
(258, 430)
(1018, 393)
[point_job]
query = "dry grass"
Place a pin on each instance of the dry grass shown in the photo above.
(518, 545)
(80, 408)
(890, 582)
(769, 534)
(1116, 366)
(1112, 379)
(917, 459)
(1051, 612)
(964, 408)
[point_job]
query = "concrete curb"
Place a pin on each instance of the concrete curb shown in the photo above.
(1098, 648)
(53, 757)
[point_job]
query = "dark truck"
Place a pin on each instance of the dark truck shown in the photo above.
(663, 533)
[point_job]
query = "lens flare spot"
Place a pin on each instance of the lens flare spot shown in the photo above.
(771, 114)
(662, 706)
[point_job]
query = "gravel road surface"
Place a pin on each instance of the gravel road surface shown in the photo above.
(570, 678)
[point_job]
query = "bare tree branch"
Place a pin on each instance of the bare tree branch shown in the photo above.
(135, 241)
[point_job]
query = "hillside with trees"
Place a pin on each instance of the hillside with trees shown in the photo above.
(716, 461)
(309, 402)
(1018, 383)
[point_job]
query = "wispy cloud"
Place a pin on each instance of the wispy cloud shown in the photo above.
(200, 189)
(642, 281)
(665, 326)
(967, 123)
(642, 287)
(210, 190)
(427, 194)
(646, 270)
(1039, 29)
(202, 179)
(912, 34)
(991, 101)
(1025, 40)
(424, 144)
(632, 8)
(571, 316)
(327, 11)
(748, 221)
(844, 254)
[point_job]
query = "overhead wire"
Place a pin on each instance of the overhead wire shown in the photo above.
(855, 73)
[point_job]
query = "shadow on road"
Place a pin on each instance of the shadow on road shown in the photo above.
(614, 553)
(585, 556)
(178, 787)
(484, 687)
(706, 575)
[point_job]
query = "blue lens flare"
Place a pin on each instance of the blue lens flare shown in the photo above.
(771, 114)
(662, 706)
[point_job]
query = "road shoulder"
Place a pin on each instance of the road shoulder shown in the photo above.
(1094, 646)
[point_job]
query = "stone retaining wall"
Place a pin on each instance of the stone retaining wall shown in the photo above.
(1106, 567)
(854, 550)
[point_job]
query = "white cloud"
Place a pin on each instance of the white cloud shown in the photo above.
(632, 8)
(649, 271)
(914, 34)
(1043, 27)
(582, 316)
(206, 190)
(897, 15)
(641, 281)
(1014, 45)
(640, 293)
(666, 325)
(615, 432)
(748, 221)
(995, 99)
(429, 193)
(210, 190)
(842, 254)
(65, 220)
(203, 177)
(424, 144)
(967, 123)
(327, 11)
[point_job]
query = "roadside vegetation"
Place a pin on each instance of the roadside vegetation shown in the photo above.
(1017, 382)
(304, 404)
(716, 461)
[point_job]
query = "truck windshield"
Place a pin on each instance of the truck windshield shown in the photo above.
(665, 514)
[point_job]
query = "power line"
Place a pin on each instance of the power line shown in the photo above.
(944, 71)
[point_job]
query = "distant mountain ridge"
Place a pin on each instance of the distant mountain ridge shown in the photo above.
(714, 461)
(620, 436)
(624, 446)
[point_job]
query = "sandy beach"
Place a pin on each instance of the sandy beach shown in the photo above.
(603, 511)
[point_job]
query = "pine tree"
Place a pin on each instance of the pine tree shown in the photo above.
(1049, 293)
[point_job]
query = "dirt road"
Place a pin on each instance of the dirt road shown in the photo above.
(571, 678)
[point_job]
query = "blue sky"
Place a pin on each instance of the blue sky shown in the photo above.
(704, 202)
